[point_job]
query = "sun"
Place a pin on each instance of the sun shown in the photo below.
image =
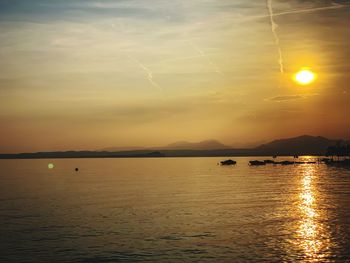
(304, 77)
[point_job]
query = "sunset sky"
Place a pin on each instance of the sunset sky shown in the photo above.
(88, 74)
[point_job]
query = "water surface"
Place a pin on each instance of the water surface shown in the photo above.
(172, 210)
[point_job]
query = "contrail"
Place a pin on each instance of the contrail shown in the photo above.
(297, 11)
(307, 10)
(203, 55)
(149, 75)
(274, 32)
(148, 72)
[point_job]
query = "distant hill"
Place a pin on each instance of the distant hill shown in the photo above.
(203, 145)
(120, 149)
(301, 145)
(181, 145)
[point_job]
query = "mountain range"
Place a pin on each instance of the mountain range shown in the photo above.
(181, 145)
(301, 145)
(297, 145)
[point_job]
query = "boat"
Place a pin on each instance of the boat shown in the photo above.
(286, 162)
(256, 162)
(228, 162)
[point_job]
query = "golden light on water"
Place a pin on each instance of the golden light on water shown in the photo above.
(311, 233)
(305, 77)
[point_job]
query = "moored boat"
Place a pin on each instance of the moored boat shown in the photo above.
(256, 163)
(228, 162)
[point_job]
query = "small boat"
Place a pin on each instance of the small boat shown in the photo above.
(228, 162)
(286, 163)
(255, 162)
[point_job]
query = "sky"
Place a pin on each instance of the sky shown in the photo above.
(88, 74)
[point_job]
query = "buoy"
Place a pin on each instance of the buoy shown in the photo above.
(76, 169)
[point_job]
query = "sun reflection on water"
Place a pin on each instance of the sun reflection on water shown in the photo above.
(312, 235)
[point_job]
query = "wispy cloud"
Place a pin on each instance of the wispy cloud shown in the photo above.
(286, 98)
(291, 97)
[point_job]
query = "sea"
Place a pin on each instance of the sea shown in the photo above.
(173, 210)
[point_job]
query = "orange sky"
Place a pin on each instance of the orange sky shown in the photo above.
(89, 74)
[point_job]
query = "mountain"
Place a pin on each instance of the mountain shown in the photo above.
(203, 145)
(120, 149)
(181, 145)
(301, 145)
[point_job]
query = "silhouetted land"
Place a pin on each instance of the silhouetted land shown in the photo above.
(302, 145)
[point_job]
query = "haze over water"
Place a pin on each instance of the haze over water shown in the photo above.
(172, 210)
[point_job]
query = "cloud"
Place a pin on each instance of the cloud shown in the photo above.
(291, 97)
(286, 98)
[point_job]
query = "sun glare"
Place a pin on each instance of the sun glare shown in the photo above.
(304, 77)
